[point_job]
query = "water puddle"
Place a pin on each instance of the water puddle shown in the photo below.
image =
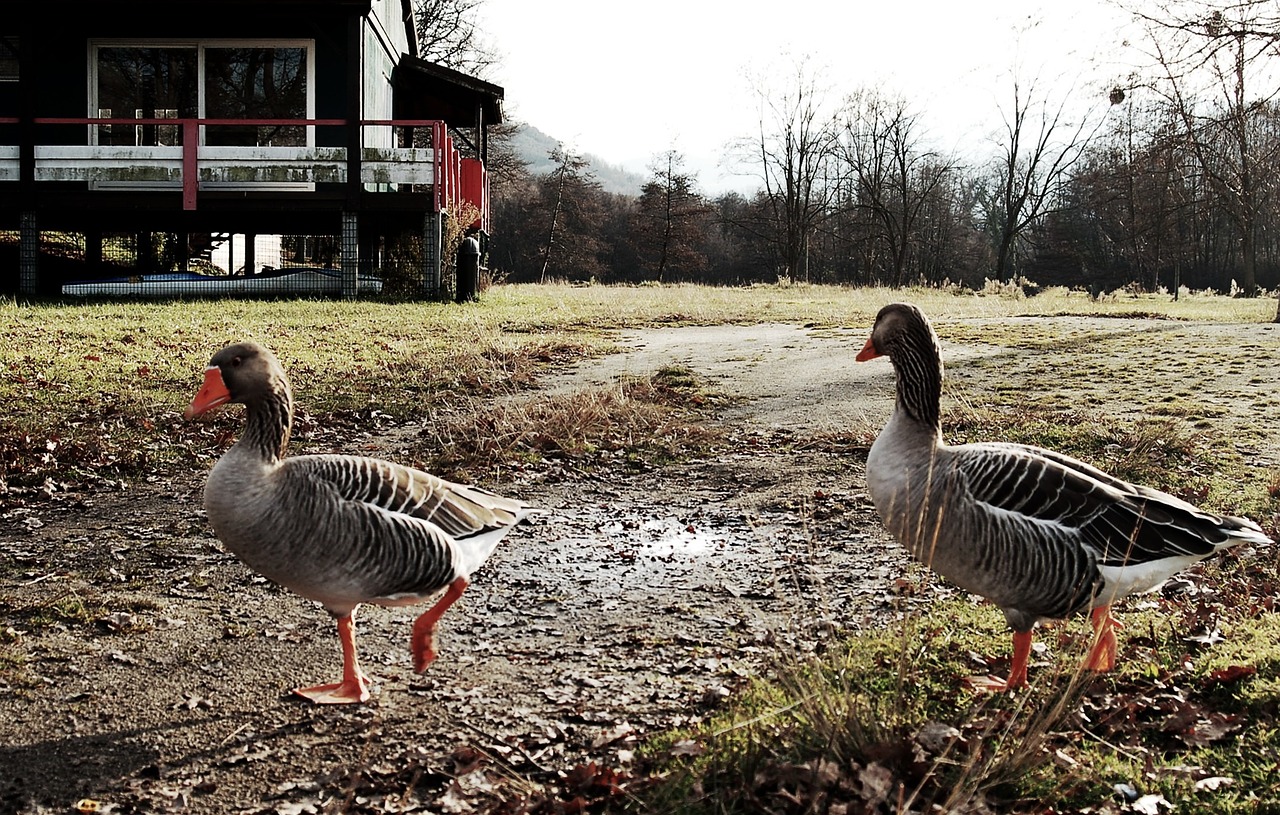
(667, 537)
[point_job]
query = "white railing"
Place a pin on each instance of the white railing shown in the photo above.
(193, 167)
(133, 167)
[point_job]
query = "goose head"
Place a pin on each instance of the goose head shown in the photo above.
(899, 330)
(244, 373)
(902, 333)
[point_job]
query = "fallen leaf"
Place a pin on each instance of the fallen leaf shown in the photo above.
(466, 759)
(1209, 637)
(1210, 729)
(616, 733)
(1231, 674)
(687, 747)
(474, 782)
(191, 701)
(936, 737)
(1126, 791)
(1150, 804)
(118, 621)
(1213, 783)
(877, 783)
(1063, 760)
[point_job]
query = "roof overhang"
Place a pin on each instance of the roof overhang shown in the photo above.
(425, 90)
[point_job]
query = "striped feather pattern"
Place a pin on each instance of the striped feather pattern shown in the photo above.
(339, 529)
(1038, 533)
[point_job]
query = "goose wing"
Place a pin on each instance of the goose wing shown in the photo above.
(461, 511)
(393, 532)
(1122, 523)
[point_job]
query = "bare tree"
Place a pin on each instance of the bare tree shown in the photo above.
(447, 36)
(1138, 196)
(570, 198)
(793, 154)
(672, 217)
(892, 175)
(1211, 68)
(1040, 144)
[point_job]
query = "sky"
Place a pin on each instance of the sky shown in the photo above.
(628, 80)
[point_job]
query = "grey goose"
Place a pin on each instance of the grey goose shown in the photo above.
(339, 529)
(1037, 533)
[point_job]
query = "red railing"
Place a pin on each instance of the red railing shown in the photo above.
(447, 161)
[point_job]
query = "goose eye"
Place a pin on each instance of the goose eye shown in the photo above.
(235, 361)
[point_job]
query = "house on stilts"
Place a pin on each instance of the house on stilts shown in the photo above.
(180, 147)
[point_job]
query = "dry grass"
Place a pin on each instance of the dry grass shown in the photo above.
(641, 422)
(878, 724)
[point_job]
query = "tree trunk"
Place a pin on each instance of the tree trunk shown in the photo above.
(1249, 260)
(551, 232)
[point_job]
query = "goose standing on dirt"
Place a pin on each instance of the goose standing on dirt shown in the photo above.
(1039, 534)
(340, 530)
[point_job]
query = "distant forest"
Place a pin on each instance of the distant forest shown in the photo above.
(1167, 180)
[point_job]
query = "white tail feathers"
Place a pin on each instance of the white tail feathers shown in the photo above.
(474, 550)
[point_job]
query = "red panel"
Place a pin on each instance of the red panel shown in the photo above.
(475, 191)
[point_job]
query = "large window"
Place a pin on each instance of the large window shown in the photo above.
(146, 83)
(255, 83)
(213, 80)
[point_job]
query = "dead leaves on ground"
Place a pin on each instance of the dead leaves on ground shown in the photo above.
(1162, 723)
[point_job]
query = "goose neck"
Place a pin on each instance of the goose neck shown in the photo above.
(918, 370)
(269, 423)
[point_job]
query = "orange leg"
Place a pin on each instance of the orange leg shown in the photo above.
(352, 688)
(424, 628)
(1103, 655)
(1021, 656)
(1017, 670)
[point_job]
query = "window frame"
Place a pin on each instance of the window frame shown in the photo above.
(200, 45)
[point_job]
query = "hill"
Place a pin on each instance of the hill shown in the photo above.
(534, 147)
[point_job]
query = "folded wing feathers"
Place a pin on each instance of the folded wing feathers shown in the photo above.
(435, 523)
(457, 509)
(1121, 522)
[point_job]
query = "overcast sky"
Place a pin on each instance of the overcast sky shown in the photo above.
(628, 80)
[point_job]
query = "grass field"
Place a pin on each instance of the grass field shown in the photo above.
(95, 391)
(100, 386)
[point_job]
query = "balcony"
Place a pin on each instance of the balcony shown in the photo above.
(194, 167)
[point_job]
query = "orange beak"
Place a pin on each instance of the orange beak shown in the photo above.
(868, 351)
(211, 394)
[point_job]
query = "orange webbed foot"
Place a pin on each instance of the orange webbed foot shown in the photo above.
(336, 693)
(353, 689)
(1017, 670)
(991, 684)
(423, 643)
